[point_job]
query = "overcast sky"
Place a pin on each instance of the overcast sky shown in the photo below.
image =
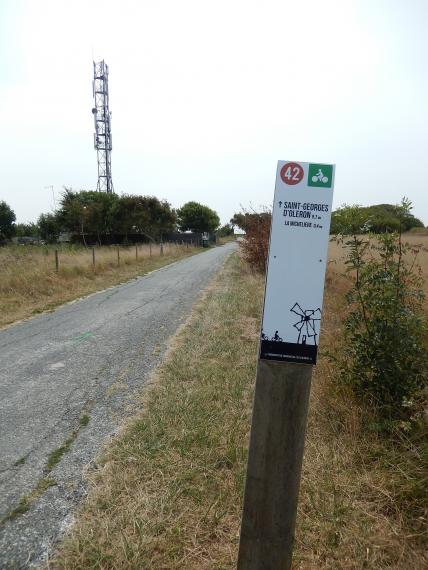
(207, 96)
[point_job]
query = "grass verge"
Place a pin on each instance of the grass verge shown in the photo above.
(167, 494)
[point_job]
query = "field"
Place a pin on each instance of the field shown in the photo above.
(418, 241)
(168, 492)
(30, 284)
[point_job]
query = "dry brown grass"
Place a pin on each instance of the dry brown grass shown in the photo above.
(168, 493)
(29, 283)
(417, 241)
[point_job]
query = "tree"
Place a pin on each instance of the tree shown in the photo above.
(226, 230)
(377, 219)
(27, 230)
(159, 217)
(197, 218)
(87, 212)
(7, 221)
(145, 215)
(103, 214)
(49, 227)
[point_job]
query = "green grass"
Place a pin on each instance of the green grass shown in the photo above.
(55, 456)
(27, 500)
(84, 420)
(20, 461)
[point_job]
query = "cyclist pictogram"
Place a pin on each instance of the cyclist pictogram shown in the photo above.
(319, 177)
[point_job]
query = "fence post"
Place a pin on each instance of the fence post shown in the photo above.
(118, 256)
(136, 252)
(93, 257)
(56, 261)
(150, 248)
(161, 248)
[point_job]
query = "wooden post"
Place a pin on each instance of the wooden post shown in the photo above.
(150, 248)
(93, 257)
(274, 465)
(161, 248)
(56, 261)
(118, 256)
(136, 252)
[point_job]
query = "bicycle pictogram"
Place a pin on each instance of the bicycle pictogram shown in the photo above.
(319, 177)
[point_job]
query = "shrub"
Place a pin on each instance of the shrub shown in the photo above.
(384, 357)
(379, 218)
(255, 244)
(7, 222)
(197, 218)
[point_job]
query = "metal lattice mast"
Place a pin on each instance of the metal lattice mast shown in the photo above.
(102, 119)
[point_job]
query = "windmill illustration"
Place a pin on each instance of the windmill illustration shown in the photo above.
(307, 323)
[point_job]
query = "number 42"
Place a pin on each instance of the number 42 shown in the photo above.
(292, 173)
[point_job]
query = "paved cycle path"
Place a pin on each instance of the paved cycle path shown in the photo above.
(84, 361)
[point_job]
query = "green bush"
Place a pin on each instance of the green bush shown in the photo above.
(384, 357)
(377, 219)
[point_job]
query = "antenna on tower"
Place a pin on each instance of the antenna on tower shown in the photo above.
(102, 120)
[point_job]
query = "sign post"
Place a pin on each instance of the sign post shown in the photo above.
(288, 350)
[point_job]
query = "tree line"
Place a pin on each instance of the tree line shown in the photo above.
(377, 219)
(103, 217)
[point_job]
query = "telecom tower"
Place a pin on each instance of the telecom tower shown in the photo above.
(102, 119)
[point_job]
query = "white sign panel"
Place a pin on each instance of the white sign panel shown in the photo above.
(297, 261)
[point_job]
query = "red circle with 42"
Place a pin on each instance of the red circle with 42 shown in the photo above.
(291, 173)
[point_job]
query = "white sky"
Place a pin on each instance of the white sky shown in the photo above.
(207, 96)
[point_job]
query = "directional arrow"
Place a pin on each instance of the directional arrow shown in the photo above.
(280, 203)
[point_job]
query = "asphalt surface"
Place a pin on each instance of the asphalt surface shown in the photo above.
(87, 358)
